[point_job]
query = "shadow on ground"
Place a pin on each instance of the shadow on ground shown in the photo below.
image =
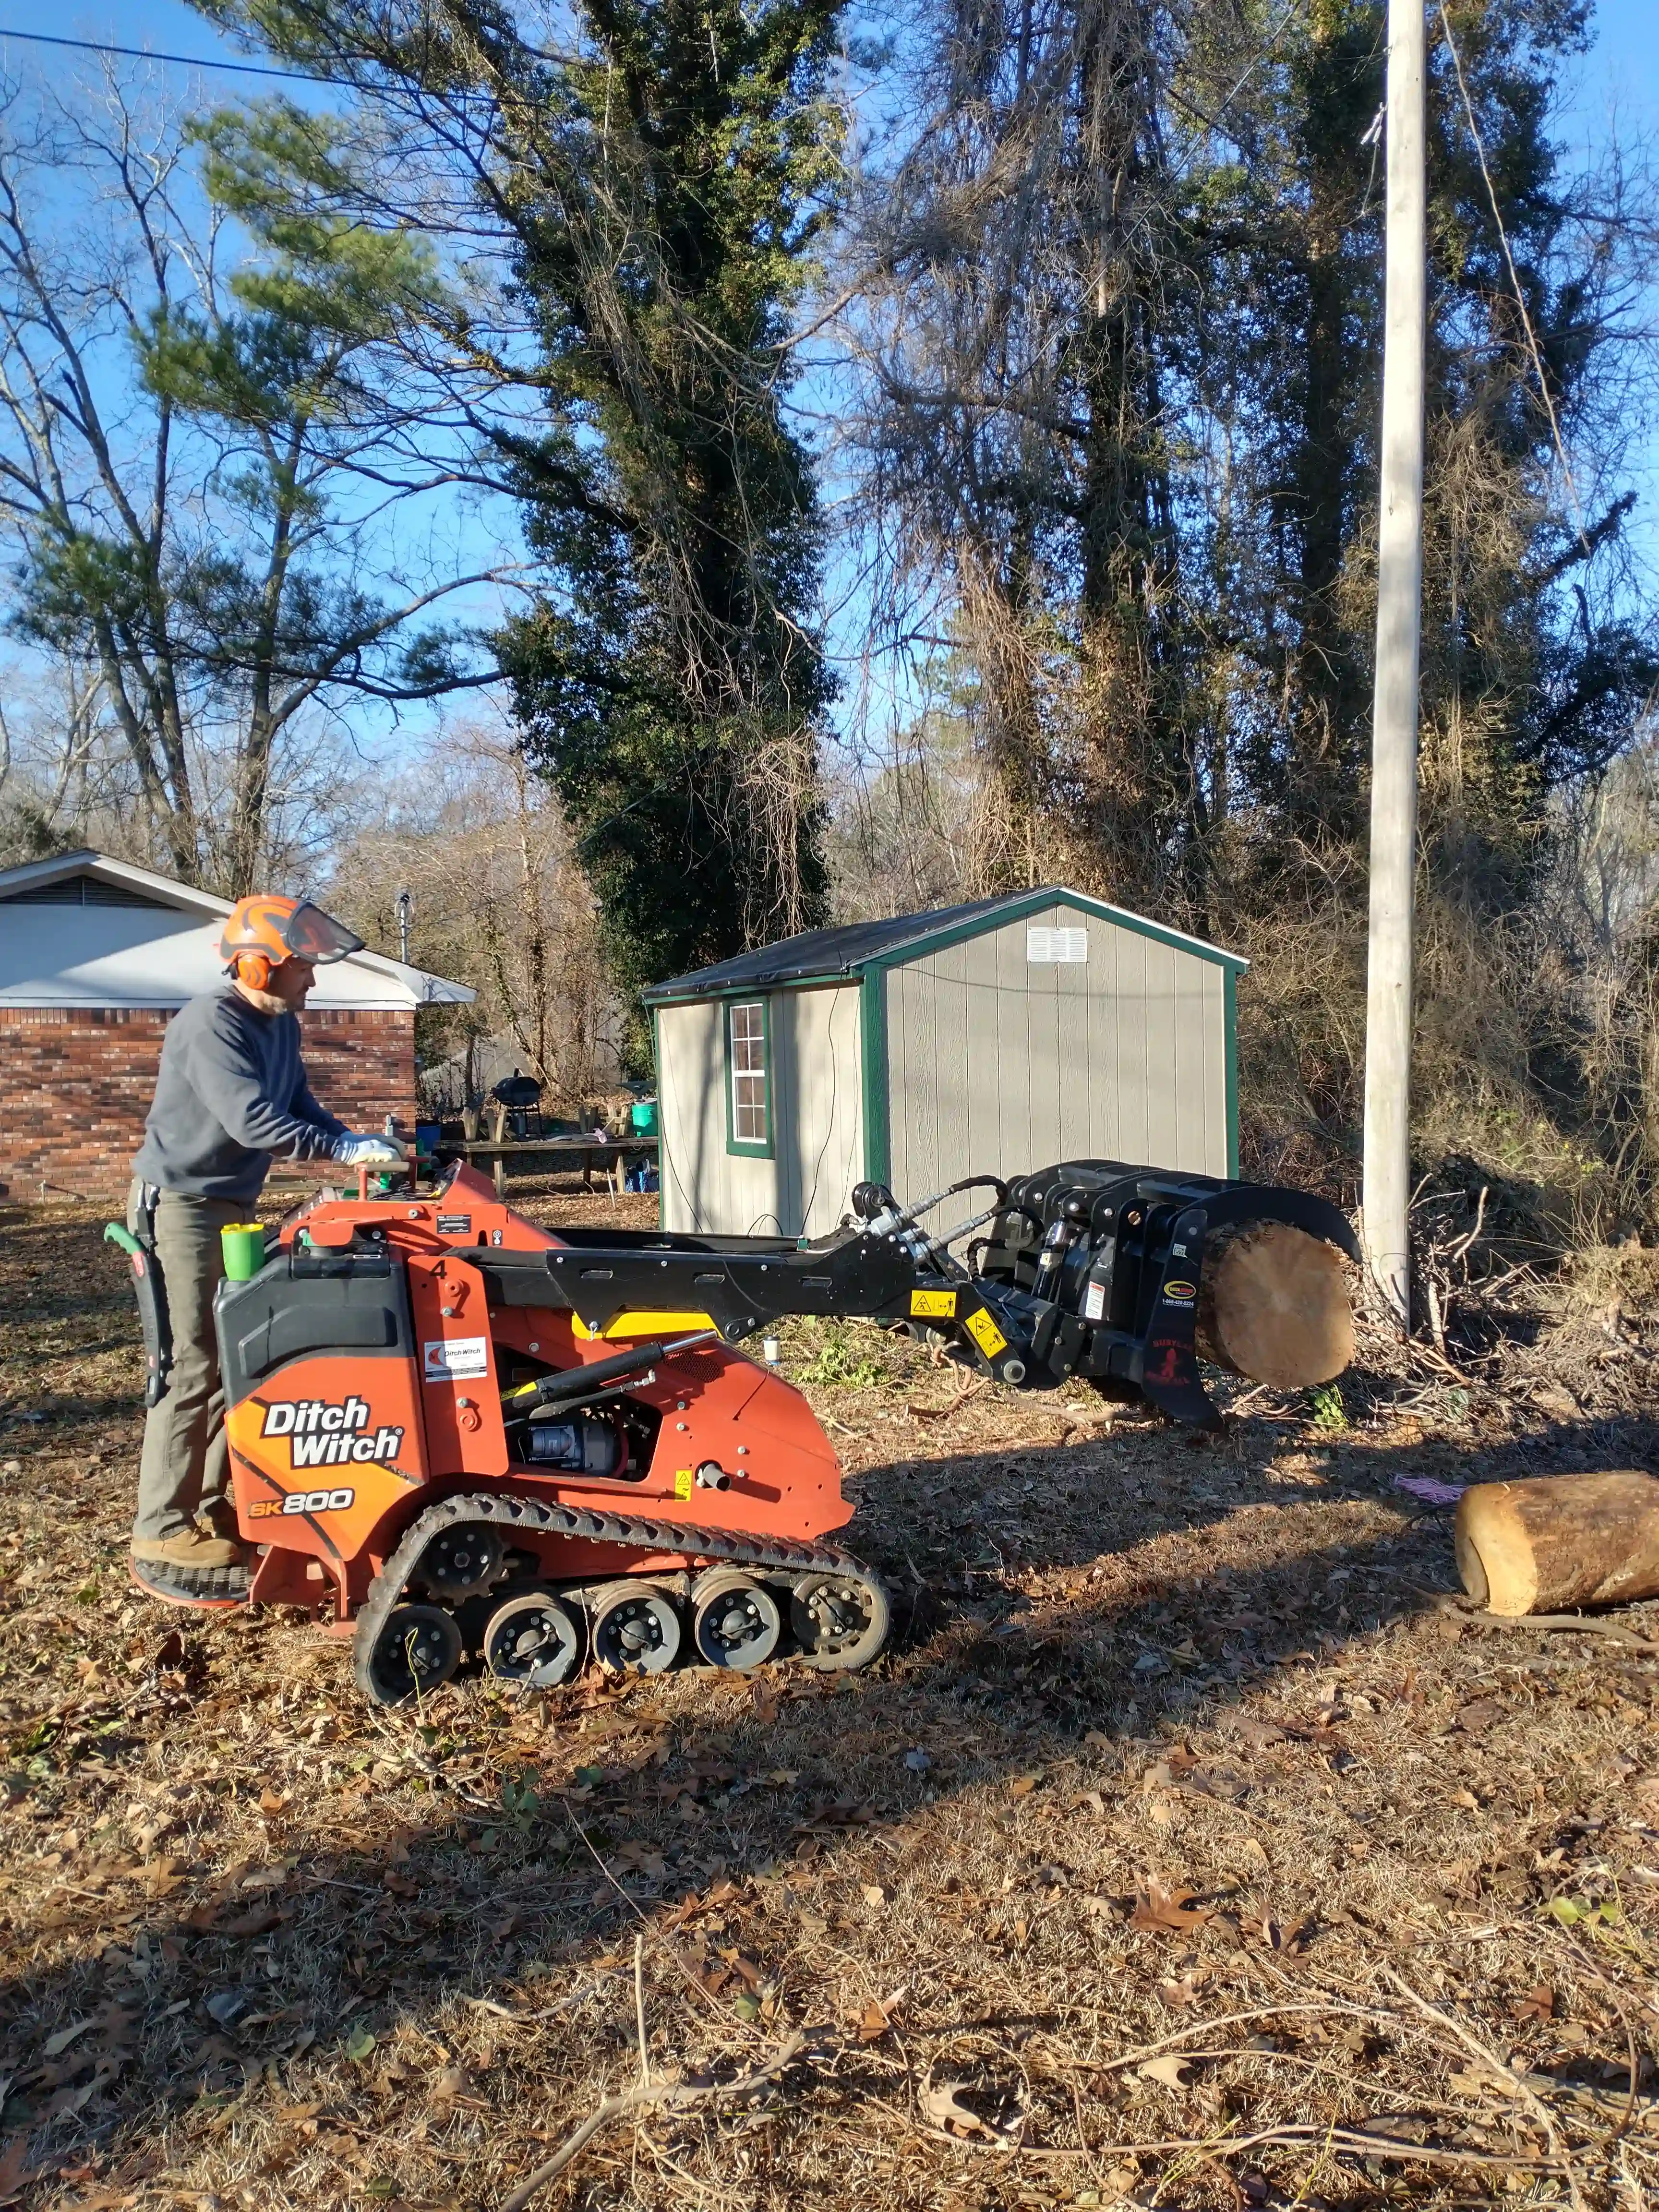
(265, 1941)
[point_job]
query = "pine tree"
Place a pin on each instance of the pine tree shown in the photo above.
(674, 682)
(1524, 680)
(653, 186)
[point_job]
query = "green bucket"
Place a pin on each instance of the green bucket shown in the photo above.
(643, 1116)
(243, 1245)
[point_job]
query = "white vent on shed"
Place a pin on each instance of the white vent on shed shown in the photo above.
(1044, 947)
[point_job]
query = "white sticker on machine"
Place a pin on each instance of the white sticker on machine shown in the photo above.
(1094, 1302)
(455, 1358)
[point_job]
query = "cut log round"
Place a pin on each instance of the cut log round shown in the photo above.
(1273, 1305)
(1558, 1541)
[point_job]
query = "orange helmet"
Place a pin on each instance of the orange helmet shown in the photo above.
(261, 931)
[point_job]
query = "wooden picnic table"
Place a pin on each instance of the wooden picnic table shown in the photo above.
(591, 1145)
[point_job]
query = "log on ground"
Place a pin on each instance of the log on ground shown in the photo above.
(1560, 1541)
(1273, 1306)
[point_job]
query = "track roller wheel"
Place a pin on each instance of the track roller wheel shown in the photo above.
(636, 1628)
(460, 1562)
(535, 1639)
(418, 1647)
(839, 1621)
(735, 1620)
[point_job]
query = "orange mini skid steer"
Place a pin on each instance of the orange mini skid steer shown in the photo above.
(429, 1439)
(458, 1433)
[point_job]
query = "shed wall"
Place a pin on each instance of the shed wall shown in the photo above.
(818, 1127)
(1000, 1065)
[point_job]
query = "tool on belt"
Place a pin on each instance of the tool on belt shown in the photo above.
(151, 1291)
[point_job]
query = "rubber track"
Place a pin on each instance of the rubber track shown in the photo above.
(589, 1525)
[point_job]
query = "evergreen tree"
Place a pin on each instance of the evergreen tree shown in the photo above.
(674, 684)
(1526, 679)
(1126, 313)
(654, 190)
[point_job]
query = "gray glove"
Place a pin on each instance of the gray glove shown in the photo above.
(354, 1151)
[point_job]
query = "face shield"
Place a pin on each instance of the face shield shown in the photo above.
(310, 934)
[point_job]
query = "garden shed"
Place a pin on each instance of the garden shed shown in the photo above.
(994, 1038)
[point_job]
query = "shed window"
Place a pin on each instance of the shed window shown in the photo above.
(748, 1076)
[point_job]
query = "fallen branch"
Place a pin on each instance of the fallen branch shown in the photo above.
(1463, 1243)
(1352, 2140)
(1256, 1390)
(1202, 2027)
(663, 2097)
(944, 1412)
(1589, 1966)
(1589, 1623)
(1501, 2075)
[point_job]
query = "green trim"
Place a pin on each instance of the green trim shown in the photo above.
(662, 1126)
(1013, 910)
(872, 1017)
(1030, 902)
(1230, 1075)
(740, 1147)
(842, 976)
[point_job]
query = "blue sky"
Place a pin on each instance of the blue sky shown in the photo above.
(1617, 87)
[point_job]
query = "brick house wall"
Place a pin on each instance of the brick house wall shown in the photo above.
(75, 1084)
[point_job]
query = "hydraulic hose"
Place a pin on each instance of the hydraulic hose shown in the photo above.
(572, 1386)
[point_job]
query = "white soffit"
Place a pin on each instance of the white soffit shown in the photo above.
(160, 955)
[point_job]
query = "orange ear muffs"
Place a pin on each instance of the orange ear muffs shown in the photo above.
(254, 969)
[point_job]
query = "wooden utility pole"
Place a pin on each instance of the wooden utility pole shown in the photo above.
(1387, 1192)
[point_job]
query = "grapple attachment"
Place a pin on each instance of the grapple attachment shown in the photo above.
(1098, 1269)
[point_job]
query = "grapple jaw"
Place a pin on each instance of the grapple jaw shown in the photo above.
(1100, 1266)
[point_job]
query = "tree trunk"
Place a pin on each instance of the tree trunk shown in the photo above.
(1273, 1305)
(1561, 1541)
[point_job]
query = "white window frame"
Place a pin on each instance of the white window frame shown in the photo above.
(749, 1077)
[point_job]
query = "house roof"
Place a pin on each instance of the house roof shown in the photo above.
(83, 929)
(828, 955)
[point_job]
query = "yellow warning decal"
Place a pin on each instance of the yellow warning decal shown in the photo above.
(684, 1482)
(934, 1305)
(985, 1333)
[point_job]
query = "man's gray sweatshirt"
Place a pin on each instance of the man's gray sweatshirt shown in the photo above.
(231, 1094)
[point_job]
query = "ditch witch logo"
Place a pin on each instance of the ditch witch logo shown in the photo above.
(321, 1435)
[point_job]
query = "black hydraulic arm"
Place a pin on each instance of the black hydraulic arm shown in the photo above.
(740, 1283)
(1092, 1269)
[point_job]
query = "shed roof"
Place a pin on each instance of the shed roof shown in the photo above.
(84, 929)
(821, 956)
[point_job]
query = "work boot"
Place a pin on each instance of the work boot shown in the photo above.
(191, 1569)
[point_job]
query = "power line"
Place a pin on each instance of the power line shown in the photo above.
(1515, 282)
(185, 61)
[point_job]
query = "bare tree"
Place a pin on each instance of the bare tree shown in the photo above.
(217, 465)
(500, 902)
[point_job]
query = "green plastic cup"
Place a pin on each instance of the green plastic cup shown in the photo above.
(243, 1245)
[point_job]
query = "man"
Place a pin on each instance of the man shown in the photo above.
(231, 1095)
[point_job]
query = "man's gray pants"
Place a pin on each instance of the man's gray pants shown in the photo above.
(185, 1466)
